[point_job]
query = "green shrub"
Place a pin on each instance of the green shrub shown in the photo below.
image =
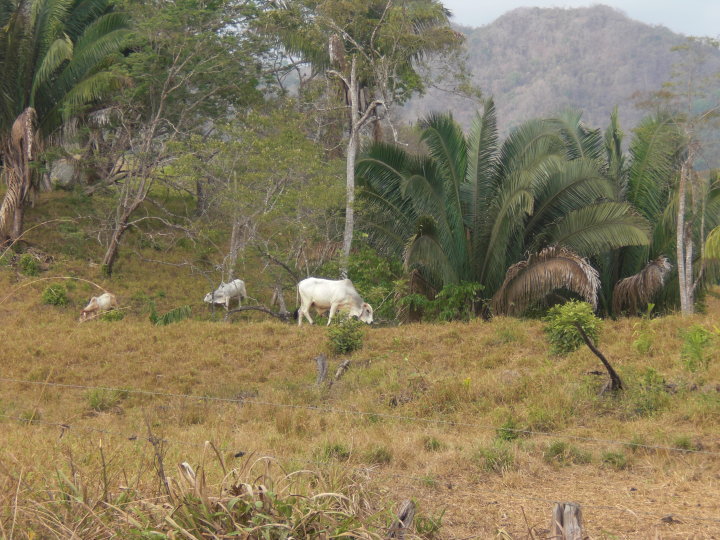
(429, 526)
(172, 316)
(455, 302)
(560, 326)
(509, 431)
(693, 352)
(55, 295)
(28, 265)
(346, 336)
(112, 316)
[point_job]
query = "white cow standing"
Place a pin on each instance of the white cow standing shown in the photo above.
(98, 304)
(326, 294)
(226, 292)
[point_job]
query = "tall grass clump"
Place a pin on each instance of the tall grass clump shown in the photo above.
(174, 315)
(694, 354)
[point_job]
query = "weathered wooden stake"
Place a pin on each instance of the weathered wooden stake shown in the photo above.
(322, 366)
(566, 522)
(401, 525)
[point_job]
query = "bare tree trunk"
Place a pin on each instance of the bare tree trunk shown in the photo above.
(353, 94)
(683, 239)
(121, 226)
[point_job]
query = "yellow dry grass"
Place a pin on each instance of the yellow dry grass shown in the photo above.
(416, 415)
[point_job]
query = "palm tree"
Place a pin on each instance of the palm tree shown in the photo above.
(472, 208)
(53, 60)
(647, 178)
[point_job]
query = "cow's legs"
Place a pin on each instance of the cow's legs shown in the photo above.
(304, 312)
(333, 309)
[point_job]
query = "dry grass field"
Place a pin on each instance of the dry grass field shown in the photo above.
(418, 415)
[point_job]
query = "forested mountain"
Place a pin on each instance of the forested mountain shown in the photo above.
(537, 61)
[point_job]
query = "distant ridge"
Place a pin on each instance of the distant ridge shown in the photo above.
(537, 61)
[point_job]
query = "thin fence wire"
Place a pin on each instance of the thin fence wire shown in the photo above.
(367, 470)
(336, 410)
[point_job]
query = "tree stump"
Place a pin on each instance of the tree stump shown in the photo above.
(566, 522)
(402, 524)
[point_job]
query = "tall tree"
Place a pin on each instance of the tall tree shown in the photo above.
(371, 48)
(192, 62)
(53, 59)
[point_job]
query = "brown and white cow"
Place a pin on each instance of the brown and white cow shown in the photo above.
(97, 305)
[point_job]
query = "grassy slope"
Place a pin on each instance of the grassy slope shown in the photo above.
(478, 374)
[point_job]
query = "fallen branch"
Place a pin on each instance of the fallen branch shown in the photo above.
(284, 316)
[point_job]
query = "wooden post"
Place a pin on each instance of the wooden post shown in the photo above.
(404, 520)
(322, 366)
(566, 522)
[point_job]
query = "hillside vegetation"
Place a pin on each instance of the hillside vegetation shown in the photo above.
(478, 422)
(538, 61)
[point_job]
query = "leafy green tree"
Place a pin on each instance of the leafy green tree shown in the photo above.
(192, 62)
(472, 208)
(371, 48)
(54, 56)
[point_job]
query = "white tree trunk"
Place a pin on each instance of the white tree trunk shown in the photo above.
(683, 238)
(355, 125)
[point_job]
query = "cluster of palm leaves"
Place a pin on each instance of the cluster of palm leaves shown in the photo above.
(53, 59)
(553, 207)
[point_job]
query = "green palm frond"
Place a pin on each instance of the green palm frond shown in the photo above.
(59, 52)
(425, 250)
(654, 154)
(597, 228)
(551, 269)
(568, 186)
(580, 141)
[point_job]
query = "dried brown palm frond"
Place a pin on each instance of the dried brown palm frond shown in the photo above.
(633, 293)
(551, 269)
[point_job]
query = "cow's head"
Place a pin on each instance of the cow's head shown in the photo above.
(208, 298)
(366, 313)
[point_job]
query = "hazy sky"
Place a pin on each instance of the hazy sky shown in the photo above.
(690, 17)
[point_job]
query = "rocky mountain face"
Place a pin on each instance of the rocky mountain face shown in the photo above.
(537, 61)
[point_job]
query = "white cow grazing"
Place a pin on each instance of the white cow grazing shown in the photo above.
(227, 291)
(97, 305)
(324, 294)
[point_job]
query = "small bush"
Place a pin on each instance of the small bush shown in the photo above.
(112, 316)
(693, 352)
(346, 336)
(561, 330)
(172, 316)
(497, 458)
(566, 454)
(55, 295)
(28, 265)
(509, 431)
